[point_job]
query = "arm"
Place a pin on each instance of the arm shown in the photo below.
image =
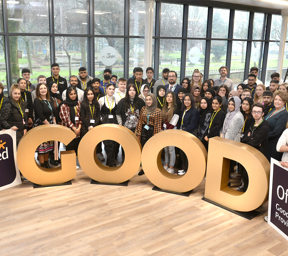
(173, 122)
(158, 122)
(193, 122)
(282, 142)
(138, 129)
(279, 126)
(259, 137)
(83, 117)
(30, 105)
(39, 109)
(65, 116)
(234, 128)
(5, 114)
(119, 112)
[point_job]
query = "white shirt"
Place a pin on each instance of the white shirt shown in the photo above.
(103, 100)
(257, 81)
(119, 95)
(80, 94)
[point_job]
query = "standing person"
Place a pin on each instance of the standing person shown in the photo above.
(268, 102)
(179, 98)
(170, 117)
(90, 111)
(246, 108)
(216, 121)
(114, 79)
(163, 80)
(234, 120)
(108, 109)
(40, 79)
(282, 145)
(2, 97)
(251, 84)
(205, 86)
(274, 85)
(224, 79)
(84, 78)
(150, 121)
(120, 92)
(70, 116)
(74, 82)
(254, 71)
(160, 96)
(172, 86)
(45, 113)
(246, 94)
(107, 80)
(277, 119)
(223, 92)
(186, 85)
(26, 75)
(196, 78)
(145, 89)
(27, 101)
(188, 122)
(240, 88)
(196, 94)
(150, 80)
(257, 137)
(258, 96)
(61, 81)
(13, 114)
(205, 116)
(138, 81)
(210, 94)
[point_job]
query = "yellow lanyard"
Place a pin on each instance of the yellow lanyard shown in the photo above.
(132, 108)
(163, 82)
(138, 90)
(54, 80)
(151, 84)
(213, 116)
(160, 102)
(92, 112)
(98, 97)
(75, 110)
(84, 85)
(120, 95)
(184, 115)
(244, 125)
(1, 103)
(28, 87)
(20, 110)
(25, 96)
(286, 106)
(110, 107)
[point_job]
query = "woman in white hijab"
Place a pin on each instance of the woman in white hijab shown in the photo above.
(145, 89)
(234, 120)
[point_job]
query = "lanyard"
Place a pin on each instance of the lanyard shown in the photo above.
(163, 82)
(20, 110)
(110, 107)
(25, 97)
(120, 95)
(132, 108)
(56, 101)
(98, 97)
(137, 86)
(1, 103)
(75, 110)
(272, 114)
(257, 126)
(48, 103)
(54, 80)
(28, 86)
(151, 84)
(184, 115)
(223, 81)
(104, 87)
(160, 102)
(84, 85)
(244, 125)
(92, 111)
(213, 116)
(148, 116)
(286, 107)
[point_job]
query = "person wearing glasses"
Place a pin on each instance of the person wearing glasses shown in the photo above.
(251, 84)
(224, 79)
(172, 86)
(196, 78)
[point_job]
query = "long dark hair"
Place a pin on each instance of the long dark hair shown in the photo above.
(226, 88)
(188, 89)
(250, 102)
(167, 115)
(191, 99)
(85, 102)
(127, 101)
(202, 92)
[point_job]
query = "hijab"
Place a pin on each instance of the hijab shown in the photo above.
(198, 99)
(153, 107)
(71, 103)
(161, 99)
(54, 95)
(178, 101)
(230, 115)
(212, 92)
(204, 112)
(142, 96)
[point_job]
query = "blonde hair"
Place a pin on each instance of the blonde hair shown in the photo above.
(192, 80)
(13, 88)
(256, 98)
(282, 95)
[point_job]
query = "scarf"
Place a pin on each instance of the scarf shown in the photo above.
(178, 101)
(161, 99)
(71, 104)
(54, 95)
(150, 110)
(204, 112)
(230, 115)
(198, 99)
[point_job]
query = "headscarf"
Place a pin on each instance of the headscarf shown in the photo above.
(142, 96)
(161, 99)
(211, 91)
(178, 101)
(54, 95)
(71, 103)
(153, 107)
(230, 115)
(203, 112)
(198, 99)
(234, 93)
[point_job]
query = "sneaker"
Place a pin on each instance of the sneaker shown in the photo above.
(266, 218)
(77, 167)
(166, 167)
(141, 173)
(181, 172)
(241, 187)
(101, 157)
(170, 170)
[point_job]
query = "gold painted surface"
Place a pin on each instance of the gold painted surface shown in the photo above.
(26, 155)
(104, 174)
(194, 150)
(256, 165)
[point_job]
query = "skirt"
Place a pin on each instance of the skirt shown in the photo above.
(46, 147)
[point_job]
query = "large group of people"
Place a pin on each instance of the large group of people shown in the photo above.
(250, 113)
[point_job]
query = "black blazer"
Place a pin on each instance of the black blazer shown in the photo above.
(216, 124)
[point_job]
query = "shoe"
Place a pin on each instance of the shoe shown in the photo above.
(77, 167)
(170, 170)
(181, 172)
(241, 187)
(42, 165)
(266, 218)
(166, 167)
(101, 157)
(141, 173)
(46, 165)
(53, 162)
(235, 175)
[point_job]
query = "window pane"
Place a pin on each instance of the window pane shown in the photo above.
(257, 56)
(197, 21)
(136, 54)
(137, 18)
(241, 22)
(3, 65)
(171, 20)
(31, 52)
(285, 61)
(70, 18)
(276, 26)
(103, 49)
(28, 16)
(258, 26)
(71, 54)
(220, 23)
(238, 61)
(195, 57)
(272, 61)
(170, 56)
(217, 58)
(108, 17)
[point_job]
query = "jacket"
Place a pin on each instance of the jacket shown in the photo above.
(190, 120)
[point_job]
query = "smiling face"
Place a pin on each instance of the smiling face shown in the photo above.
(278, 102)
(72, 95)
(240, 89)
(110, 90)
(181, 95)
(16, 94)
(259, 91)
(43, 90)
(132, 92)
(90, 96)
(196, 92)
(161, 92)
(169, 98)
(231, 106)
(149, 101)
(187, 102)
(54, 88)
(22, 84)
(203, 104)
(245, 106)
(216, 105)
(185, 84)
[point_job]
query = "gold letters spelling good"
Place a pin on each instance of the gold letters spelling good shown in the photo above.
(256, 165)
(194, 150)
(26, 155)
(104, 174)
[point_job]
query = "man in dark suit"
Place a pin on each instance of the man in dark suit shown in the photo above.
(172, 86)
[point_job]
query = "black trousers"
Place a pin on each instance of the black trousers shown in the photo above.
(111, 149)
(146, 134)
(184, 160)
(244, 174)
(73, 145)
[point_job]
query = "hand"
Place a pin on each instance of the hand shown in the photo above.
(24, 131)
(30, 122)
(249, 134)
(206, 138)
(139, 138)
(222, 94)
(45, 122)
(90, 128)
(284, 164)
(77, 131)
(14, 128)
(221, 135)
(54, 120)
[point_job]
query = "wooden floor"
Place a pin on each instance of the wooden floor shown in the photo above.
(85, 219)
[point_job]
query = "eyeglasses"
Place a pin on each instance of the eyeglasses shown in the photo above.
(171, 76)
(257, 112)
(145, 90)
(251, 80)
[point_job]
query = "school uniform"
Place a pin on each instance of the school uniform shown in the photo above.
(151, 84)
(90, 116)
(61, 82)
